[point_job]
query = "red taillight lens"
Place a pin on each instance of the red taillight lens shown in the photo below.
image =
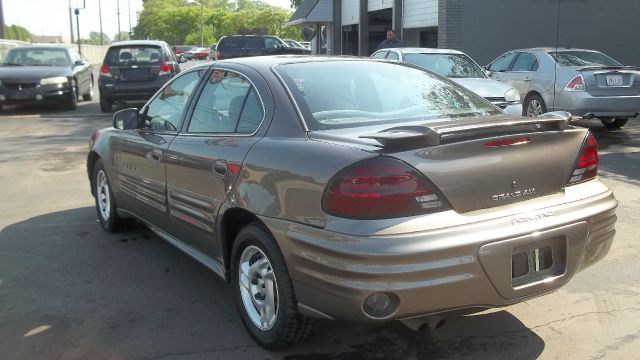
(104, 70)
(165, 68)
(380, 188)
(576, 84)
(587, 166)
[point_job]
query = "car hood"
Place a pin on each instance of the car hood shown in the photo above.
(486, 88)
(27, 73)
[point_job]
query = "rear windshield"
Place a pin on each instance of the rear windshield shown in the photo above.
(339, 94)
(449, 65)
(583, 58)
(230, 43)
(37, 57)
(134, 55)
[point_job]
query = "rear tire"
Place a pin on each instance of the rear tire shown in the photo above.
(534, 106)
(88, 96)
(264, 292)
(614, 124)
(105, 104)
(106, 206)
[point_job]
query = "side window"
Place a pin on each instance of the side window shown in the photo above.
(254, 43)
(252, 114)
(380, 55)
(502, 63)
(392, 56)
(220, 106)
(165, 110)
(73, 55)
(525, 62)
(270, 43)
(230, 43)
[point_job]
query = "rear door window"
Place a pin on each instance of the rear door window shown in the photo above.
(254, 43)
(231, 43)
(392, 56)
(525, 62)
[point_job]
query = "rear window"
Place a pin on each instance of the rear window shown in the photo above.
(230, 43)
(583, 58)
(130, 55)
(340, 94)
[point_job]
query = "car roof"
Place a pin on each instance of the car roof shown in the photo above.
(266, 62)
(419, 50)
(138, 42)
(551, 49)
(44, 46)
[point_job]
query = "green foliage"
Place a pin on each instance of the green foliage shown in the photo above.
(94, 38)
(177, 22)
(15, 32)
(124, 35)
(296, 3)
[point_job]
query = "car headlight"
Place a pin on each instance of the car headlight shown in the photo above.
(54, 80)
(512, 95)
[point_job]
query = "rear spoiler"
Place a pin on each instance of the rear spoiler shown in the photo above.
(622, 67)
(421, 135)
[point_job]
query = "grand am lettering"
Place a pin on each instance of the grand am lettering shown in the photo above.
(513, 194)
(536, 217)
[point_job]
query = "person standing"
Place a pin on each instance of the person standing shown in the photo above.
(391, 41)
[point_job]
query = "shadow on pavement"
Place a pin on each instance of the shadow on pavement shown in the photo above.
(70, 290)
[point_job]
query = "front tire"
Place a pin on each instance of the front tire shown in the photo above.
(613, 124)
(534, 106)
(105, 201)
(72, 99)
(88, 96)
(264, 292)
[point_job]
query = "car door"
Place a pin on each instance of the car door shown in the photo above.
(140, 154)
(253, 46)
(522, 72)
(204, 160)
(501, 65)
(82, 71)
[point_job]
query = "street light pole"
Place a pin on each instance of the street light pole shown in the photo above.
(77, 12)
(100, 15)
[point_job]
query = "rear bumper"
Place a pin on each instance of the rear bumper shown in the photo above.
(445, 269)
(134, 90)
(580, 103)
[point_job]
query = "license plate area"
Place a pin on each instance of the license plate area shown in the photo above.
(614, 80)
(537, 261)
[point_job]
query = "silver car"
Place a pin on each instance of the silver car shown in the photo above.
(460, 68)
(582, 82)
(348, 188)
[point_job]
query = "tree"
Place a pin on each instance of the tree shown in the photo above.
(94, 38)
(296, 3)
(15, 32)
(124, 35)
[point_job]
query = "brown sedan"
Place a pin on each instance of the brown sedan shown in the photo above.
(339, 188)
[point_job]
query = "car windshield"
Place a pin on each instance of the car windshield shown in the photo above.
(583, 58)
(133, 55)
(449, 65)
(338, 94)
(37, 57)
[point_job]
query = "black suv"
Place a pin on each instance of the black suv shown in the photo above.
(134, 70)
(234, 46)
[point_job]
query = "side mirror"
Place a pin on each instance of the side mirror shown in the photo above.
(182, 59)
(488, 72)
(126, 119)
(78, 63)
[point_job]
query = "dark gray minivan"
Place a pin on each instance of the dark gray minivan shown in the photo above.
(134, 70)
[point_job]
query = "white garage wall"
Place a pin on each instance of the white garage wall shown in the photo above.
(379, 5)
(420, 13)
(350, 12)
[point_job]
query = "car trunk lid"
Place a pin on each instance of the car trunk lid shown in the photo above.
(611, 80)
(483, 162)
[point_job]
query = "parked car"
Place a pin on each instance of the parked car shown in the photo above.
(45, 73)
(181, 49)
(135, 70)
(306, 44)
(587, 83)
(427, 198)
(198, 53)
(212, 51)
(460, 68)
(234, 46)
(293, 43)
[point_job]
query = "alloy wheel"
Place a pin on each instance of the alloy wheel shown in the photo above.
(258, 287)
(534, 108)
(102, 193)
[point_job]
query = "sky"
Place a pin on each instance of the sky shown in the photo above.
(51, 17)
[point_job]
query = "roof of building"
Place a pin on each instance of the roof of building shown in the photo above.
(313, 11)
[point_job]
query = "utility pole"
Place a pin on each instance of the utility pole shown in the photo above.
(1, 21)
(71, 22)
(129, 6)
(118, 11)
(100, 15)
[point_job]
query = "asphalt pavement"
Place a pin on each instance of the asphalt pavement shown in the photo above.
(68, 290)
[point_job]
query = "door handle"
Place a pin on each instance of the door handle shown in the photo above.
(220, 167)
(155, 155)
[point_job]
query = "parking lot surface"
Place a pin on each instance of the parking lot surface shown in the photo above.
(68, 290)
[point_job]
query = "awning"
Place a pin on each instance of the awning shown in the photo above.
(312, 12)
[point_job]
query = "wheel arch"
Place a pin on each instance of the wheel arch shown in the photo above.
(230, 224)
(92, 158)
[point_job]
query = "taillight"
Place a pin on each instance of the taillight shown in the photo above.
(381, 188)
(587, 166)
(576, 84)
(104, 70)
(165, 69)
(218, 55)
